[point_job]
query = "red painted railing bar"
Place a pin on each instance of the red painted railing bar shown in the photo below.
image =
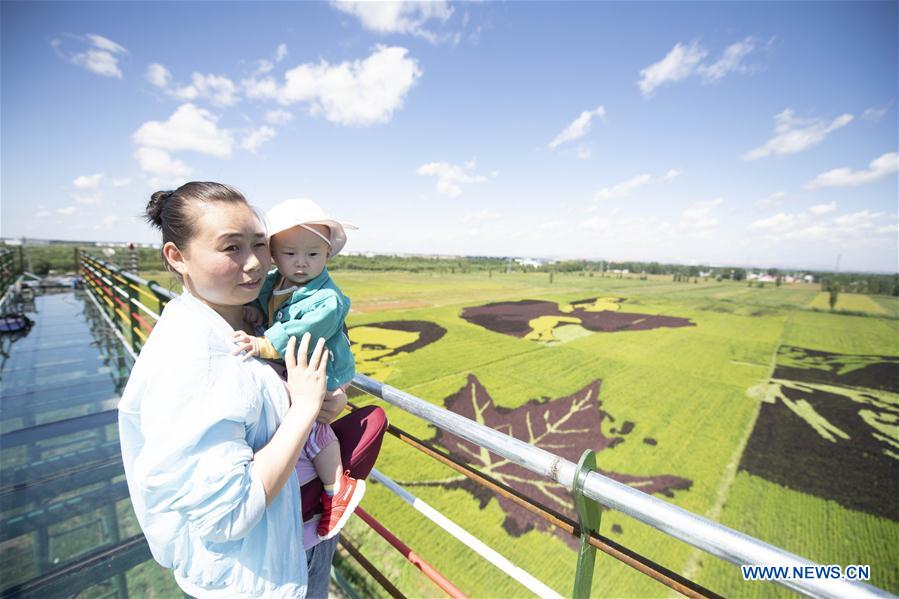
(415, 559)
(143, 323)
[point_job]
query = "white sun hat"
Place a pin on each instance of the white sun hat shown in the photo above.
(301, 211)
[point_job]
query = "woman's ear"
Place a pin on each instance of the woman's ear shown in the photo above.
(174, 257)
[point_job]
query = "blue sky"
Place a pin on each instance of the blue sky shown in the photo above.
(713, 132)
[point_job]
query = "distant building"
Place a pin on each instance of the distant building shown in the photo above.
(529, 262)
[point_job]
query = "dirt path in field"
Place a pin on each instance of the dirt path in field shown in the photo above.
(695, 562)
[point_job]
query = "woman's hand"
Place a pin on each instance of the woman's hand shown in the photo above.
(334, 403)
(306, 379)
(306, 382)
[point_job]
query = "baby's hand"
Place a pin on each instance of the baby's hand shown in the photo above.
(252, 315)
(246, 344)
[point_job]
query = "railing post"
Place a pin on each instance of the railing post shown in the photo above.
(588, 514)
(133, 255)
(154, 287)
(132, 314)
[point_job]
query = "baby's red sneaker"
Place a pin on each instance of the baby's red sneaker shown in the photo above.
(336, 510)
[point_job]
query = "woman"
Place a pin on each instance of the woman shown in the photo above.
(210, 443)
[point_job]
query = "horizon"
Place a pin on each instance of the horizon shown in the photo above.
(12, 242)
(679, 133)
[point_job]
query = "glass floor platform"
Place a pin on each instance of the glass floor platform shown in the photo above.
(66, 524)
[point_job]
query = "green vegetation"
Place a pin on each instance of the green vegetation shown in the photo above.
(692, 391)
(847, 302)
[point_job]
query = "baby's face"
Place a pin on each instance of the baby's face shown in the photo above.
(300, 255)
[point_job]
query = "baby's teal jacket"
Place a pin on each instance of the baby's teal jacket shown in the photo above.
(318, 307)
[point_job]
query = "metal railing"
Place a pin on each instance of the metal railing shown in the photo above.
(702, 533)
(7, 270)
(125, 297)
(130, 300)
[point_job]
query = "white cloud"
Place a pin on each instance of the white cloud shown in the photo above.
(103, 43)
(42, 212)
(823, 208)
(264, 66)
(91, 199)
(583, 152)
(451, 177)
(678, 64)
(773, 199)
(218, 89)
(813, 226)
(88, 181)
(623, 189)
(685, 61)
(123, 182)
(671, 174)
(578, 128)
(109, 220)
(875, 114)
(863, 218)
(101, 56)
(698, 216)
(398, 17)
(159, 162)
(158, 75)
(278, 117)
(260, 89)
(878, 168)
(794, 135)
(481, 216)
(780, 222)
(67, 210)
(362, 92)
(257, 137)
(189, 128)
(729, 62)
(697, 221)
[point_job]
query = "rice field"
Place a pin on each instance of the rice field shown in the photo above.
(676, 415)
(849, 302)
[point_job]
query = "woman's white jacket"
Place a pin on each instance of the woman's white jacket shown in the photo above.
(190, 420)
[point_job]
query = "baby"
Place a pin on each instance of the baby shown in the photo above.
(300, 297)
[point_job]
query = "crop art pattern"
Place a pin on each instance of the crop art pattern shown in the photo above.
(548, 322)
(375, 346)
(565, 426)
(829, 427)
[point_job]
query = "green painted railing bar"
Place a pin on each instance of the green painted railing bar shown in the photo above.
(588, 515)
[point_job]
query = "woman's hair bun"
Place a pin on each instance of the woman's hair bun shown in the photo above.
(155, 206)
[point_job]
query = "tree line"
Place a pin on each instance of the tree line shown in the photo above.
(60, 257)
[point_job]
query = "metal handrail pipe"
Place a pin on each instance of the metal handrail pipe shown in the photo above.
(151, 285)
(702, 533)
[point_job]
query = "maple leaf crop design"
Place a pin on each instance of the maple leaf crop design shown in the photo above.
(565, 426)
